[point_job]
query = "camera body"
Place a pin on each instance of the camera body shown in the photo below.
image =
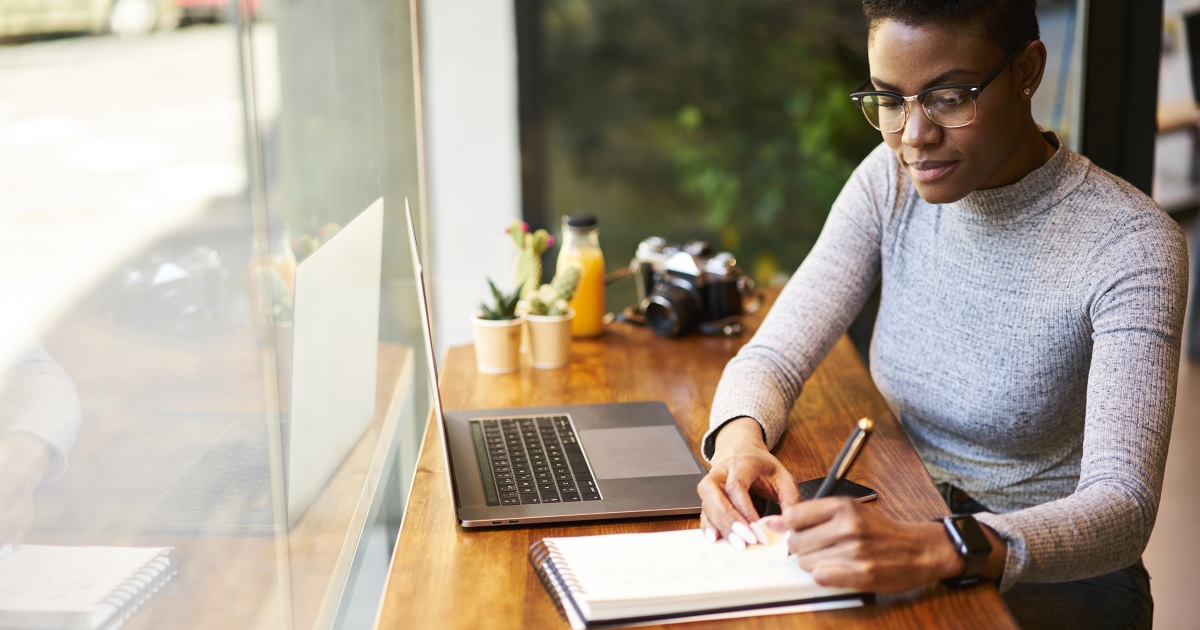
(681, 287)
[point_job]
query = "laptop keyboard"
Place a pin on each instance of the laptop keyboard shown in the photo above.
(532, 460)
(232, 474)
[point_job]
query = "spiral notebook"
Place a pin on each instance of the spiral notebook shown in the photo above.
(79, 588)
(664, 577)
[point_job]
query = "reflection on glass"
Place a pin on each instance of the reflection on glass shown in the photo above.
(161, 190)
(39, 420)
(130, 240)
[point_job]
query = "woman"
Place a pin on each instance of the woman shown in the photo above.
(1028, 336)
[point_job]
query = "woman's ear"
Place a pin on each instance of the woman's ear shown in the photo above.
(1028, 68)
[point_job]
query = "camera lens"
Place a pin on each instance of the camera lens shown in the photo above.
(671, 309)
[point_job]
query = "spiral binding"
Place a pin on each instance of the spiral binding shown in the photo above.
(127, 598)
(563, 571)
(559, 582)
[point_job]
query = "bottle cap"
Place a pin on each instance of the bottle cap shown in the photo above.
(581, 220)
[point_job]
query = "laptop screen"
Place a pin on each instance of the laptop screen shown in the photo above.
(427, 328)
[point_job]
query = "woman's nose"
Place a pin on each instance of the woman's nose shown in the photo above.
(918, 129)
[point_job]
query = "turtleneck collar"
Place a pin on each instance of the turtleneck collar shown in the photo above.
(1035, 193)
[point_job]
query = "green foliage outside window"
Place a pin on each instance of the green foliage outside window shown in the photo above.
(728, 121)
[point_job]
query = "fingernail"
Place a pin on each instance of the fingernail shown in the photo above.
(745, 533)
(710, 534)
(759, 534)
(775, 524)
(767, 534)
(6, 551)
(736, 541)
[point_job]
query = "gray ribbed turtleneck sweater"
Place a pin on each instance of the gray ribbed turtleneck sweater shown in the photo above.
(1028, 338)
(37, 397)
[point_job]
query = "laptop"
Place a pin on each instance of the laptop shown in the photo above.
(560, 463)
(187, 471)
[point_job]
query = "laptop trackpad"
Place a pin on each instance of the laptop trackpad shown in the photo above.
(626, 453)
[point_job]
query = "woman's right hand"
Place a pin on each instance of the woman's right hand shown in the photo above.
(741, 465)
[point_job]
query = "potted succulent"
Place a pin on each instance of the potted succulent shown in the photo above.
(498, 332)
(549, 316)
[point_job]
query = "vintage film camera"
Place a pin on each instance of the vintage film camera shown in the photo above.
(681, 288)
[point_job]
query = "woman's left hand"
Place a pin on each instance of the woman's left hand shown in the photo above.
(848, 544)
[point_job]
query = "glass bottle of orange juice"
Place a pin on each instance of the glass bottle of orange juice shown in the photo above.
(581, 244)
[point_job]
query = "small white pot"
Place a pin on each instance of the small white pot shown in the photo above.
(497, 344)
(549, 339)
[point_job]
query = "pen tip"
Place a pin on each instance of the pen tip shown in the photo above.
(866, 424)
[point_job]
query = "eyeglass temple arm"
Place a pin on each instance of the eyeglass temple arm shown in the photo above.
(1000, 68)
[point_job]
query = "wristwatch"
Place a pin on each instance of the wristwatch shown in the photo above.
(971, 544)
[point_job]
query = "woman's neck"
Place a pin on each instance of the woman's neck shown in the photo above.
(1028, 155)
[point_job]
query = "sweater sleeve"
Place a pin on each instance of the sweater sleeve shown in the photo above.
(816, 307)
(1138, 294)
(38, 398)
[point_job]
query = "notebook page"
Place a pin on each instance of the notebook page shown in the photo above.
(67, 579)
(682, 566)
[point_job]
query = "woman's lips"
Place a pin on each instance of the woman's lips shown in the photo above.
(930, 170)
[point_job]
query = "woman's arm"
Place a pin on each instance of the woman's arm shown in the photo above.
(1140, 287)
(814, 309)
(760, 385)
(37, 398)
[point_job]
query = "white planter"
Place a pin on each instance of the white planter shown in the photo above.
(497, 344)
(549, 339)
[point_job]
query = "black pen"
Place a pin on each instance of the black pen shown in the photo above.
(841, 465)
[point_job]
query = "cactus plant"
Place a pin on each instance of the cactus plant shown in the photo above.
(503, 306)
(527, 268)
(553, 298)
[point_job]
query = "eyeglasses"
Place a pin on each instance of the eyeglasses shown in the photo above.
(949, 106)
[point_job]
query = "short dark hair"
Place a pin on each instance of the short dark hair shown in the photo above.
(1006, 23)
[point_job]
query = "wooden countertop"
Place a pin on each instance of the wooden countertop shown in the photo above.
(443, 576)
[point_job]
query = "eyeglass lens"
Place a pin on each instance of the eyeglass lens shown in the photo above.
(951, 107)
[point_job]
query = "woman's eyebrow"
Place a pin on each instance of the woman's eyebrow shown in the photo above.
(940, 79)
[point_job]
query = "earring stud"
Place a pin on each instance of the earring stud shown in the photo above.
(1026, 91)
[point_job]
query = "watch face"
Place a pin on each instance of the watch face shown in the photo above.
(968, 535)
(970, 542)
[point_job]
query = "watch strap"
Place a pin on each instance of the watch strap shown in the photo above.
(971, 544)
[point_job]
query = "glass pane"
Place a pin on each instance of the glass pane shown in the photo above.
(167, 172)
(1057, 102)
(336, 118)
(126, 251)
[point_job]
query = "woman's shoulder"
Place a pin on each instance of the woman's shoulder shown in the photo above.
(1125, 210)
(1130, 229)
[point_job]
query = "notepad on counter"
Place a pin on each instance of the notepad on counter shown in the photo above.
(623, 579)
(79, 587)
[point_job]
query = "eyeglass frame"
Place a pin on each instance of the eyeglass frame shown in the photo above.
(973, 90)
